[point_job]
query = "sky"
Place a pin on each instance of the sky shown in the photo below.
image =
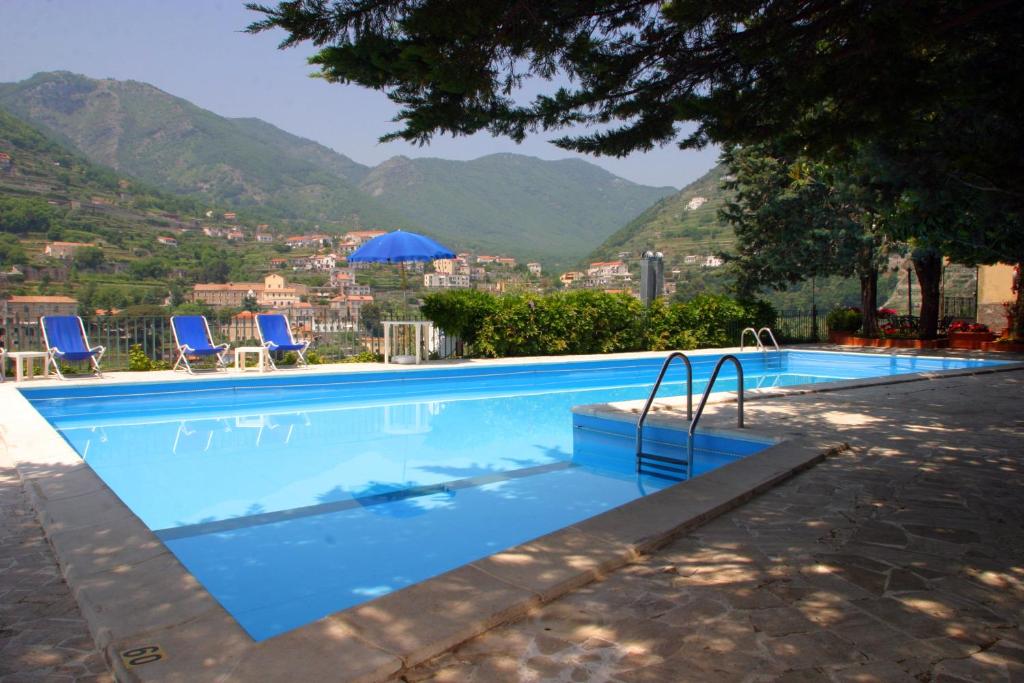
(195, 49)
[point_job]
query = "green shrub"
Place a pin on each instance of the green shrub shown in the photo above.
(314, 358)
(586, 321)
(138, 361)
(289, 358)
(364, 357)
(460, 312)
(844, 320)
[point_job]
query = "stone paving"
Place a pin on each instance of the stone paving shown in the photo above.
(901, 559)
(42, 635)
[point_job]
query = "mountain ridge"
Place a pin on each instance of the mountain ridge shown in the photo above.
(550, 210)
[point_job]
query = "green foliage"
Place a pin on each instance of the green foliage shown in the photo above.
(11, 251)
(459, 312)
(715, 320)
(314, 358)
(138, 361)
(364, 357)
(20, 215)
(844, 320)
(89, 258)
(590, 322)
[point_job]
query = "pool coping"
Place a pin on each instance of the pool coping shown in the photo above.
(134, 593)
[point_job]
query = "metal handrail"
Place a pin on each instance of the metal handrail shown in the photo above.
(707, 392)
(757, 338)
(654, 392)
(770, 336)
(703, 402)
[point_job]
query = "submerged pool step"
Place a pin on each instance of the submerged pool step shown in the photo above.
(662, 466)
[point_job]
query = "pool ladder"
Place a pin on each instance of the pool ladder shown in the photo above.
(757, 338)
(679, 469)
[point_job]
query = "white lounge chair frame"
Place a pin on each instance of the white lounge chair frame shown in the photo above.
(51, 351)
(301, 353)
(185, 349)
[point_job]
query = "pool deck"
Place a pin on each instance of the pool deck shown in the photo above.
(901, 554)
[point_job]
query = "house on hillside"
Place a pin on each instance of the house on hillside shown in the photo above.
(230, 216)
(167, 241)
(30, 308)
(712, 261)
(65, 250)
(442, 281)
(534, 268)
(235, 235)
(358, 237)
(572, 276)
(608, 269)
(505, 261)
(264, 238)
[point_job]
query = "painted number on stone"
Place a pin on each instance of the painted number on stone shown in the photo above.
(142, 655)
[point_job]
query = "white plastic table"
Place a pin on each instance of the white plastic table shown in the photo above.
(23, 358)
(421, 329)
(242, 351)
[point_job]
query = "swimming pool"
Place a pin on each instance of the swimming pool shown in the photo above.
(293, 496)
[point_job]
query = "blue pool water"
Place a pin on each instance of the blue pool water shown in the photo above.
(294, 496)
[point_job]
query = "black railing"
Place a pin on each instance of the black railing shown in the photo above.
(333, 336)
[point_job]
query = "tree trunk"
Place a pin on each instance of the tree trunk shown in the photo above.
(867, 271)
(928, 266)
(1017, 331)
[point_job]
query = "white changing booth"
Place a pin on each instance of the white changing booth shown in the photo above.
(407, 335)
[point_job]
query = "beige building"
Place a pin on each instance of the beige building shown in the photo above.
(65, 250)
(995, 288)
(32, 307)
(273, 292)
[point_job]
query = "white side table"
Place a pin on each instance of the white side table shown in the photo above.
(242, 351)
(27, 358)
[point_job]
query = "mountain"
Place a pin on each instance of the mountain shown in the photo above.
(169, 142)
(684, 223)
(547, 207)
(549, 210)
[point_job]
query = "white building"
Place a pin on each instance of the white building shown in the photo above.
(534, 269)
(442, 281)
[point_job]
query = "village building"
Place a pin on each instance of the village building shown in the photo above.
(607, 269)
(273, 292)
(167, 241)
(534, 268)
(65, 250)
(442, 281)
(32, 307)
(571, 277)
(264, 238)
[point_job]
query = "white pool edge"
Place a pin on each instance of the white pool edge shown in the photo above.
(134, 593)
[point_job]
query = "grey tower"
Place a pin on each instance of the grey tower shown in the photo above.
(652, 276)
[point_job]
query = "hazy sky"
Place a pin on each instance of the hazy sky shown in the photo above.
(195, 49)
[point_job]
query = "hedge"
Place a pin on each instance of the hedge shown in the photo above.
(585, 322)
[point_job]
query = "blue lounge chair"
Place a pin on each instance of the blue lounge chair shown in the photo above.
(65, 340)
(192, 338)
(276, 335)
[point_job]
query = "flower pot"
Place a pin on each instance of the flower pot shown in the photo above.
(1003, 346)
(893, 343)
(969, 340)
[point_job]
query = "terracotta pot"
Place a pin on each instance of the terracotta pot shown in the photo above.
(850, 340)
(969, 340)
(1006, 347)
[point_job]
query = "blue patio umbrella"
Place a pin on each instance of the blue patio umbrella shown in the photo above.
(400, 246)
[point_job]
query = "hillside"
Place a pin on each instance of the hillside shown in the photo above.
(49, 193)
(142, 131)
(550, 207)
(551, 210)
(683, 223)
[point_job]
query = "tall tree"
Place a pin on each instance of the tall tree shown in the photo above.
(795, 219)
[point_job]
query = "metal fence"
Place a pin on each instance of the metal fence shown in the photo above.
(332, 336)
